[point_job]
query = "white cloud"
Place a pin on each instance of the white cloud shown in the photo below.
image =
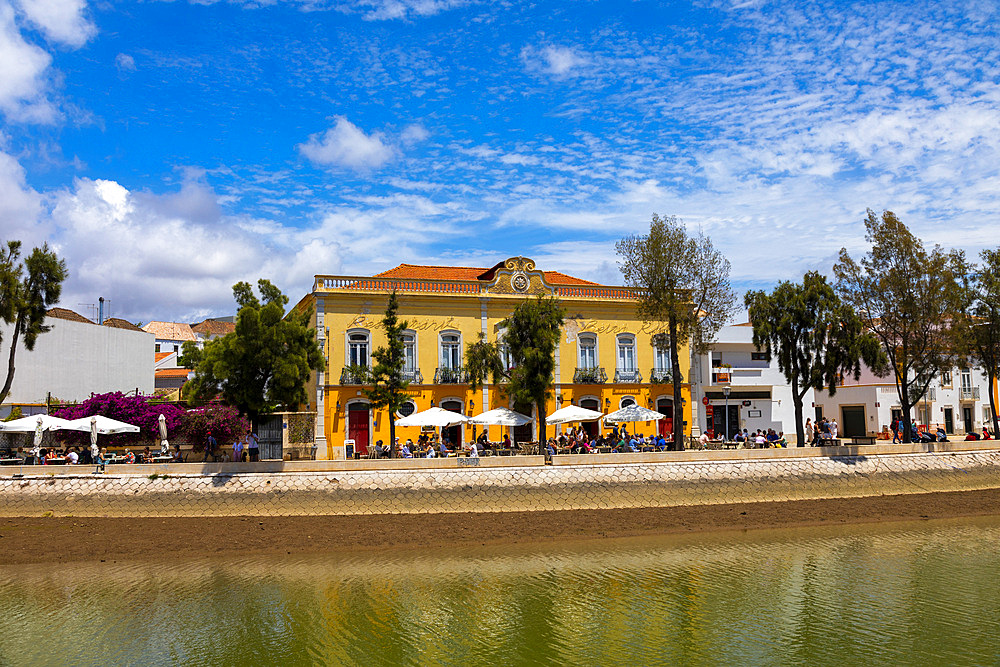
(556, 60)
(22, 75)
(125, 62)
(414, 134)
(61, 21)
(386, 10)
(20, 205)
(346, 145)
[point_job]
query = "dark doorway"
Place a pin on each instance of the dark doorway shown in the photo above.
(665, 426)
(591, 427)
(452, 434)
(357, 426)
(949, 421)
(719, 423)
(852, 418)
(269, 432)
(525, 432)
(970, 427)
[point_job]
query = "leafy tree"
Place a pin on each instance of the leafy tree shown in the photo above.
(908, 298)
(265, 362)
(27, 290)
(816, 337)
(685, 285)
(388, 386)
(530, 350)
(978, 327)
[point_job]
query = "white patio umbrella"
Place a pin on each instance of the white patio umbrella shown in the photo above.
(164, 445)
(573, 413)
(105, 425)
(501, 417)
(433, 417)
(633, 413)
(30, 424)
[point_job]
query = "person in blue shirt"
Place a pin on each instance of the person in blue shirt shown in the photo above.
(405, 451)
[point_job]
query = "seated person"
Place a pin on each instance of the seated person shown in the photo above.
(550, 447)
(986, 434)
(102, 458)
(972, 436)
(771, 435)
(740, 437)
(506, 441)
(781, 441)
(661, 443)
(443, 449)
(941, 435)
(759, 440)
(72, 458)
(178, 457)
(129, 456)
(404, 451)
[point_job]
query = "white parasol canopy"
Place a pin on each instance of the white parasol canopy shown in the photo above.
(573, 413)
(105, 425)
(501, 417)
(29, 424)
(433, 417)
(164, 445)
(633, 413)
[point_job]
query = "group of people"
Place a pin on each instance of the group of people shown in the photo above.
(760, 439)
(579, 441)
(429, 446)
(72, 455)
(920, 434)
(821, 429)
(245, 448)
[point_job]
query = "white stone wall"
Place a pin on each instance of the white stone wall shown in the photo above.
(76, 359)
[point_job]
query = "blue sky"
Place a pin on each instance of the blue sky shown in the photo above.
(169, 149)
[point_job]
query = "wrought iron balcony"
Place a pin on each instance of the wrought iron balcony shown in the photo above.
(450, 376)
(628, 377)
(355, 375)
(931, 395)
(969, 393)
(661, 376)
(413, 376)
(594, 375)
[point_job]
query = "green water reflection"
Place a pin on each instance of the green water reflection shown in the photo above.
(923, 594)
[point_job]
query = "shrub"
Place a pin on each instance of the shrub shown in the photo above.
(131, 409)
(225, 423)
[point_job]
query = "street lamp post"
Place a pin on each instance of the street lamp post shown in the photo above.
(725, 391)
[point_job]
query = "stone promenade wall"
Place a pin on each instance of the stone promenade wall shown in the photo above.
(488, 485)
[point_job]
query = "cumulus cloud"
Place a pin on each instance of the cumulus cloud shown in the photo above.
(346, 145)
(414, 134)
(387, 10)
(125, 62)
(22, 76)
(61, 21)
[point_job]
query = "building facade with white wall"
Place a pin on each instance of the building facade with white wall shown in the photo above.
(75, 359)
(957, 400)
(758, 397)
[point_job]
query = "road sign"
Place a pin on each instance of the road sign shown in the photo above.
(704, 400)
(709, 410)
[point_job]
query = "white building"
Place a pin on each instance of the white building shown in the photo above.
(759, 397)
(958, 401)
(77, 358)
(170, 336)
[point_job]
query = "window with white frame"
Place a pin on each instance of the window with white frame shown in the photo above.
(966, 380)
(451, 350)
(409, 351)
(358, 347)
(946, 378)
(626, 401)
(661, 353)
(588, 350)
(626, 353)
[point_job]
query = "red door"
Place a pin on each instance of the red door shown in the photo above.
(666, 426)
(357, 426)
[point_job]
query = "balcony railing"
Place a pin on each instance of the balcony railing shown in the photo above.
(628, 377)
(594, 375)
(661, 376)
(450, 376)
(355, 375)
(931, 395)
(969, 393)
(414, 376)
(373, 284)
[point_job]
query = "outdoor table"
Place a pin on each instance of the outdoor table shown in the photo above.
(11, 462)
(116, 459)
(162, 459)
(55, 462)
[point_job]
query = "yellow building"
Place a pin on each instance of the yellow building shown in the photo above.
(606, 358)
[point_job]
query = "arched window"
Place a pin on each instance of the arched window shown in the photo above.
(358, 348)
(407, 409)
(588, 350)
(626, 401)
(451, 350)
(626, 353)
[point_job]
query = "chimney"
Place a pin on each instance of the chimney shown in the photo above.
(100, 311)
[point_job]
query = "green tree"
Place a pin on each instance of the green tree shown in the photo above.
(908, 297)
(684, 282)
(815, 336)
(388, 385)
(27, 290)
(265, 362)
(525, 360)
(978, 327)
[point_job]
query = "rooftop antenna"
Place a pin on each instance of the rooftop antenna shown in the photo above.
(90, 307)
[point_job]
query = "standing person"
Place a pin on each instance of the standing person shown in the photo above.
(253, 446)
(238, 450)
(834, 429)
(807, 433)
(894, 427)
(210, 446)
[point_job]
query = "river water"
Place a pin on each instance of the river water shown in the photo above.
(897, 594)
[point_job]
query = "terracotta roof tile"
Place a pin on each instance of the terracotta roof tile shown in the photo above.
(67, 314)
(172, 372)
(161, 355)
(170, 330)
(119, 323)
(431, 272)
(213, 328)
